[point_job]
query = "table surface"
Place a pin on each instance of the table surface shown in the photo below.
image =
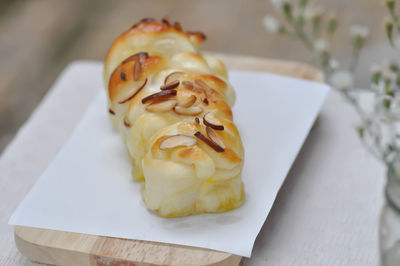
(325, 214)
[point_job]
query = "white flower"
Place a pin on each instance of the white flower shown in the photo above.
(312, 12)
(375, 68)
(388, 21)
(387, 113)
(277, 3)
(341, 80)
(380, 87)
(387, 71)
(334, 64)
(321, 45)
(388, 74)
(271, 24)
(388, 65)
(395, 108)
(359, 31)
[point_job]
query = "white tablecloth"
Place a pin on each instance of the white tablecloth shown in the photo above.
(325, 214)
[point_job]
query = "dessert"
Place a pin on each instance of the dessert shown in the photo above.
(172, 106)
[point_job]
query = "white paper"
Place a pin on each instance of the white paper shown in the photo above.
(88, 187)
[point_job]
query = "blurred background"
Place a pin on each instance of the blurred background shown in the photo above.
(38, 38)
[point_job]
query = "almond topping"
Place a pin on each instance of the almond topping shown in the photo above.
(188, 84)
(131, 93)
(165, 20)
(201, 84)
(173, 76)
(210, 120)
(171, 85)
(147, 19)
(122, 75)
(163, 106)
(209, 142)
(135, 57)
(193, 110)
(213, 136)
(140, 54)
(178, 26)
(137, 69)
(188, 101)
(197, 33)
(158, 95)
(127, 123)
(176, 141)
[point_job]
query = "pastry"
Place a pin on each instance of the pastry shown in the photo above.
(172, 106)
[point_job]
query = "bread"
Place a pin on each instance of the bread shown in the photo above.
(172, 106)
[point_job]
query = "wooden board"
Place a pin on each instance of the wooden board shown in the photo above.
(65, 248)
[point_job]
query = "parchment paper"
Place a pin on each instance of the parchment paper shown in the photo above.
(88, 187)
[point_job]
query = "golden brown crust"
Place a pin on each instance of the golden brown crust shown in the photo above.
(126, 69)
(160, 87)
(149, 25)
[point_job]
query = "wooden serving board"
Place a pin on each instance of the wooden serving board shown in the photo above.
(65, 248)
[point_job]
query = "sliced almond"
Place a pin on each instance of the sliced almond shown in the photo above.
(132, 92)
(176, 141)
(197, 34)
(188, 84)
(213, 136)
(136, 56)
(158, 95)
(193, 110)
(178, 26)
(210, 120)
(209, 142)
(202, 84)
(137, 69)
(172, 76)
(170, 86)
(127, 123)
(166, 20)
(147, 20)
(142, 54)
(188, 101)
(163, 106)
(191, 86)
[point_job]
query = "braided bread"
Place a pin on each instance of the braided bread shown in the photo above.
(172, 107)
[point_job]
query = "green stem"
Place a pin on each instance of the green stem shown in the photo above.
(301, 35)
(354, 61)
(377, 150)
(395, 19)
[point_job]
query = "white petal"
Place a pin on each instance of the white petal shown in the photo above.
(341, 80)
(321, 45)
(271, 24)
(359, 31)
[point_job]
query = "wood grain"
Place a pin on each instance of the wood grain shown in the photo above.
(65, 248)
